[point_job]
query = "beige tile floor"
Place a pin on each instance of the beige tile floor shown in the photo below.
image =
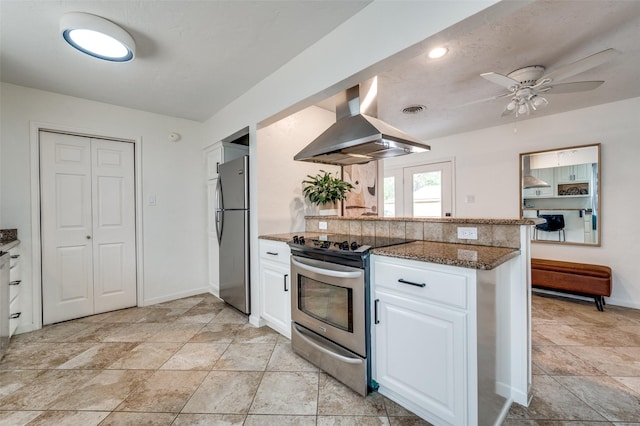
(194, 361)
(586, 365)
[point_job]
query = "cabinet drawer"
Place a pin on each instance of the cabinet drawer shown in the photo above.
(14, 311)
(14, 289)
(275, 251)
(442, 284)
(15, 260)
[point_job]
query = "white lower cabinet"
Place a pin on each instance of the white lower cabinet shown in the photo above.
(421, 354)
(15, 287)
(423, 342)
(275, 286)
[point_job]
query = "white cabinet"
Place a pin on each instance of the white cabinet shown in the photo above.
(15, 287)
(213, 157)
(275, 286)
(574, 173)
(219, 153)
(546, 175)
(421, 331)
(421, 354)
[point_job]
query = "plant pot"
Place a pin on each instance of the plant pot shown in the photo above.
(329, 209)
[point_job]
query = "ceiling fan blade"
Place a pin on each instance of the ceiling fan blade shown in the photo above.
(499, 79)
(580, 65)
(492, 98)
(578, 86)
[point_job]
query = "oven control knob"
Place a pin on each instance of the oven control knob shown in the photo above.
(325, 245)
(301, 239)
(296, 240)
(354, 245)
(344, 245)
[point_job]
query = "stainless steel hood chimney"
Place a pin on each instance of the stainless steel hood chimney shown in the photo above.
(356, 138)
(528, 180)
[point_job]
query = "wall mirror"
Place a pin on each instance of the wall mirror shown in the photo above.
(562, 186)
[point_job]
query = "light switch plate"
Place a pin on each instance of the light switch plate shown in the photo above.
(467, 233)
(322, 225)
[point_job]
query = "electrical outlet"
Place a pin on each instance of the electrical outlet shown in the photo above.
(468, 233)
(322, 226)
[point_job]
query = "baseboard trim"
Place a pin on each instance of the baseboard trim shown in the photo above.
(609, 300)
(174, 296)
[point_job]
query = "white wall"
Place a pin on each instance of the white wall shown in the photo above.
(281, 204)
(174, 236)
(487, 167)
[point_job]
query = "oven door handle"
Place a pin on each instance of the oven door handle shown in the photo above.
(327, 272)
(345, 359)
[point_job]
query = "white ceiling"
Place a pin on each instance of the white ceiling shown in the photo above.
(548, 33)
(192, 57)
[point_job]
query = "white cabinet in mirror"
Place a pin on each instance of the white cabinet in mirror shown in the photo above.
(562, 186)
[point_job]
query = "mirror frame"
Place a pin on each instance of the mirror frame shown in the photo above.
(598, 242)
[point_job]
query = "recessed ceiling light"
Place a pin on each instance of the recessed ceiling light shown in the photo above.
(438, 52)
(97, 37)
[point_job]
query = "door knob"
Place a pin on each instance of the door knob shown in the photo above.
(88, 237)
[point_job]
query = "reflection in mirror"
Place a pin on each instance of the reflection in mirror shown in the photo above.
(562, 186)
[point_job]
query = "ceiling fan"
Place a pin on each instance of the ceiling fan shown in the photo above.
(526, 86)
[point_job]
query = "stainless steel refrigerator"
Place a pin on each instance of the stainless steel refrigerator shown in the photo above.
(232, 227)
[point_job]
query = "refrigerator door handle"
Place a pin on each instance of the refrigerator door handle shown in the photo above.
(219, 218)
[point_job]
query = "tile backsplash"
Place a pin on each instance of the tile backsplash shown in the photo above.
(491, 232)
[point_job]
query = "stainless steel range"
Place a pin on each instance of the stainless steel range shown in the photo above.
(330, 304)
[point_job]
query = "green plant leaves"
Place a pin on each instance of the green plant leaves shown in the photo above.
(324, 188)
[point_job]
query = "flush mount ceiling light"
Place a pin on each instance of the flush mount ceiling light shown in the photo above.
(438, 52)
(97, 37)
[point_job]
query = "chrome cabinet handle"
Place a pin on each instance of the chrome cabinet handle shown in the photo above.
(285, 282)
(16, 282)
(272, 253)
(376, 320)
(411, 283)
(16, 315)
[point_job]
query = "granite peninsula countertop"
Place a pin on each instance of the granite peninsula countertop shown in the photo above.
(463, 255)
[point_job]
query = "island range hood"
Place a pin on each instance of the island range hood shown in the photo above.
(356, 138)
(528, 180)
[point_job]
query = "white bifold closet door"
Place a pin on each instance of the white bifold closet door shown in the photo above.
(87, 201)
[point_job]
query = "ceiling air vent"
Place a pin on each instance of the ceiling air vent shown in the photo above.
(414, 109)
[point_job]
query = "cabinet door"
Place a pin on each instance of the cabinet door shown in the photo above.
(276, 296)
(213, 157)
(420, 355)
(575, 173)
(582, 172)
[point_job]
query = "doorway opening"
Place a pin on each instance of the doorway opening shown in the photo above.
(424, 190)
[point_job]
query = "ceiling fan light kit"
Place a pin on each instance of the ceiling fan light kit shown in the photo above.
(527, 85)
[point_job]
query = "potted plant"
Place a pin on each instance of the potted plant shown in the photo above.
(325, 190)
